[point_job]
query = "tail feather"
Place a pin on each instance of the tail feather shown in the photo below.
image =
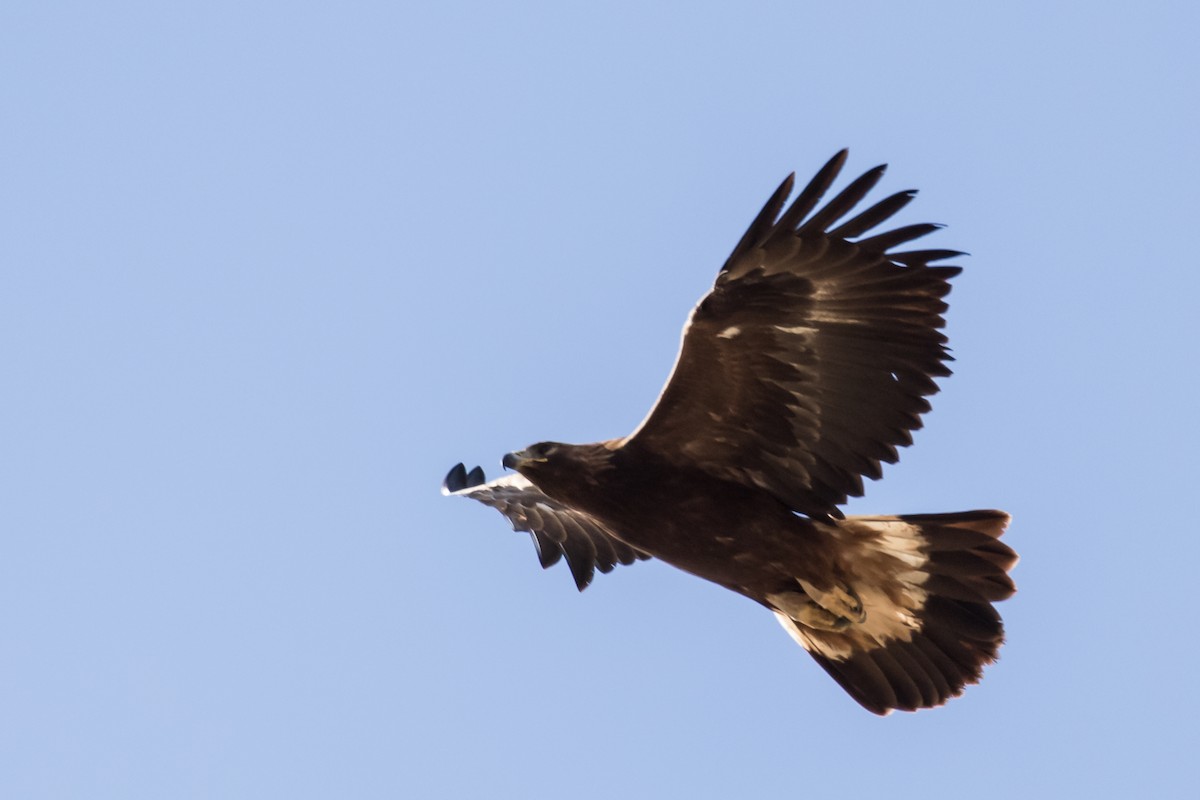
(927, 582)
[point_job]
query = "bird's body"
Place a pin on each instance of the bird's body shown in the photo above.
(803, 369)
(750, 543)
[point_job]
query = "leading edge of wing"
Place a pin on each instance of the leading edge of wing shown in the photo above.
(854, 303)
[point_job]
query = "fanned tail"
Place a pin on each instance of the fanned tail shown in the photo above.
(927, 583)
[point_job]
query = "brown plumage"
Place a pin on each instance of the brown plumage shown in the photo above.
(800, 373)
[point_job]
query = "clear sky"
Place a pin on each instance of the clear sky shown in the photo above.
(268, 269)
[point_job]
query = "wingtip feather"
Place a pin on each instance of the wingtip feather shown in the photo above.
(475, 477)
(455, 480)
(458, 479)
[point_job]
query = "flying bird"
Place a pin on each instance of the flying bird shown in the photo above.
(802, 371)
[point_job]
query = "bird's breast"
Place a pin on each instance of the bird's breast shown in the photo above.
(736, 536)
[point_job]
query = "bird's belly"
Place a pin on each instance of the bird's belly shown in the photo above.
(750, 547)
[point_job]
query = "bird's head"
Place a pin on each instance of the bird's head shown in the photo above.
(561, 470)
(537, 458)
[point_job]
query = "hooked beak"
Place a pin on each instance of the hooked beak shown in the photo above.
(518, 459)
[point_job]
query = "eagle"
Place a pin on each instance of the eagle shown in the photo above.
(800, 372)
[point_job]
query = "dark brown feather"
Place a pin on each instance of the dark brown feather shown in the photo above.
(812, 193)
(880, 212)
(810, 361)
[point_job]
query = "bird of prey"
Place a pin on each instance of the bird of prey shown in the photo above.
(801, 371)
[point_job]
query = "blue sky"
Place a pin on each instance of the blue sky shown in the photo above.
(267, 270)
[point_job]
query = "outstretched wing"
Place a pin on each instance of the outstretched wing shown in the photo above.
(557, 530)
(810, 360)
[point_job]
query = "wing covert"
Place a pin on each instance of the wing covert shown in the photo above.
(809, 362)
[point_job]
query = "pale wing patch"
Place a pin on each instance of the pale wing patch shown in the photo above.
(799, 330)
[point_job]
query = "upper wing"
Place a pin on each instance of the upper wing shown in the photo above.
(557, 530)
(810, 360)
